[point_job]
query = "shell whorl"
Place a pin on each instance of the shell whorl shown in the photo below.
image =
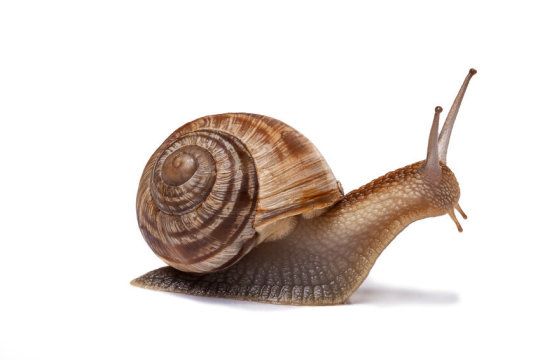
(221, 184)
(198, 210)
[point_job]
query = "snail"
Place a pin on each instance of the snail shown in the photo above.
(243, 206)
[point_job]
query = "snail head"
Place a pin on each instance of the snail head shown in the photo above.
(443, 186)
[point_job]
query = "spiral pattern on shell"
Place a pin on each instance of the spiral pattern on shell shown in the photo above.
(198, 210)
(221, 184)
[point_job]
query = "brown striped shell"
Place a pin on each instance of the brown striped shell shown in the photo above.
(222, 184)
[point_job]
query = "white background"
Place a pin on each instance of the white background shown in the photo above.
(89, 89)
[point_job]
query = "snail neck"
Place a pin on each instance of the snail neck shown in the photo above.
(371, 220)
(366, 220)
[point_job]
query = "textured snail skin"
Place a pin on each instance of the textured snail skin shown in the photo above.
(326, 258)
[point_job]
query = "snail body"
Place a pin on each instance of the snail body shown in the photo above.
(243, 206)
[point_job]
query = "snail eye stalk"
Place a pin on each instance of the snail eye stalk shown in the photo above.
(432, 168)
(444, 136)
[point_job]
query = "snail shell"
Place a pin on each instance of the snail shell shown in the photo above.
(222, 184)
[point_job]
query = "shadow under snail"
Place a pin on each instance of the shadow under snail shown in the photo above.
(243, 206)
